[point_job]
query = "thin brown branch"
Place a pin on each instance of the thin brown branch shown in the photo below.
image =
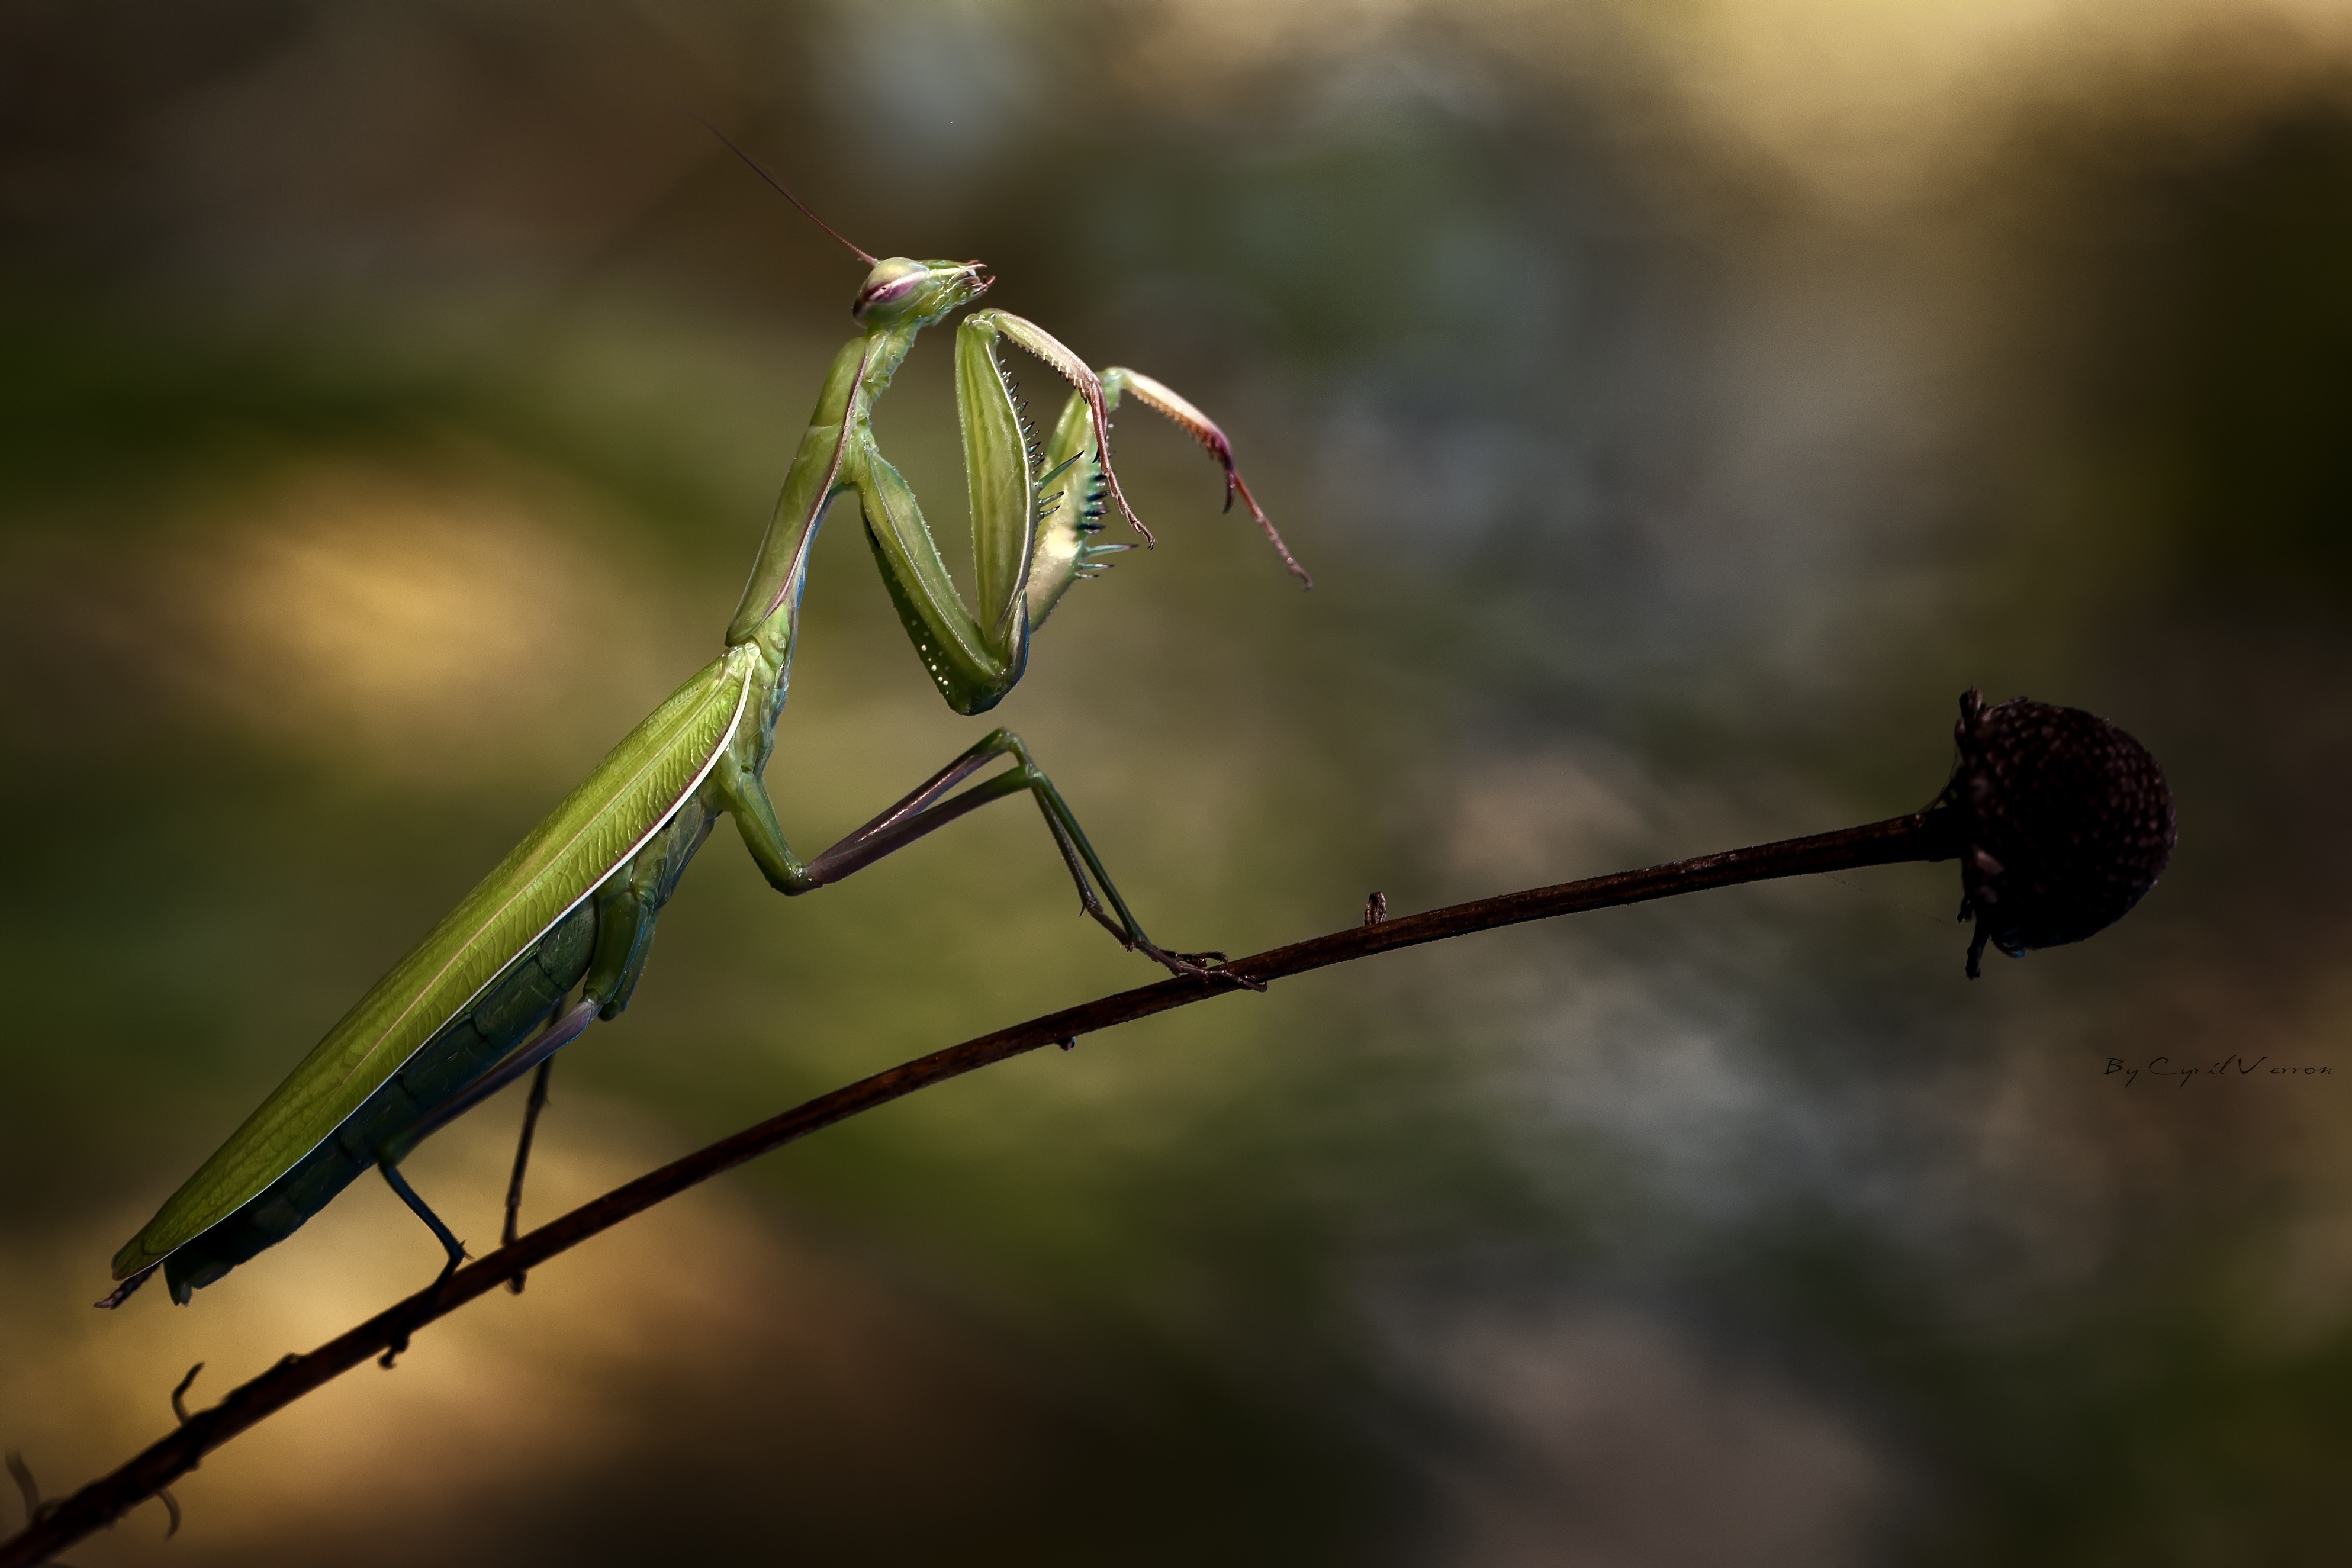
(1927, 835)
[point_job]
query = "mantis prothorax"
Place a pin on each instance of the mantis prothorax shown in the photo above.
(558, 933)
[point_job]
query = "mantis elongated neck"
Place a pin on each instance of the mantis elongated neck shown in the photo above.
(822, 467)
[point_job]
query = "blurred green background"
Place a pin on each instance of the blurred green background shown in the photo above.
(1678, 407)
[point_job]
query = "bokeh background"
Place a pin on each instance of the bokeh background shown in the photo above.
(1678, 406)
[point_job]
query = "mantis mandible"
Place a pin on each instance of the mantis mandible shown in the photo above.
(558, 933)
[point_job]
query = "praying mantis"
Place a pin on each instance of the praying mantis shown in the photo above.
(557, 934)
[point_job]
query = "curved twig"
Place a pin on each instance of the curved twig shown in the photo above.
(1925, 835)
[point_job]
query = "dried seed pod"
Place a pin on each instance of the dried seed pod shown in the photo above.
(2065, 819)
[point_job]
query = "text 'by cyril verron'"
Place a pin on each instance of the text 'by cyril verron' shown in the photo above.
(2165, 1071)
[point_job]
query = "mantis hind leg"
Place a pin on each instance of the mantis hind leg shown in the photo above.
(531, 1108)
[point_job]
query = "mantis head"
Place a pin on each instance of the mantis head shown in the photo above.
(900, 290)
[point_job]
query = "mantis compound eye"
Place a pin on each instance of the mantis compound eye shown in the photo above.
(2068, 820)
(889, 288)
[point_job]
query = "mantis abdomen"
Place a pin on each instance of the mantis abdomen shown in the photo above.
(514, 1007)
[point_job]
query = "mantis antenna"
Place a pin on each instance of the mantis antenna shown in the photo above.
(783, 190)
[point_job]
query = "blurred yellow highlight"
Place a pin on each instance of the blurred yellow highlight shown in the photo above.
(491, 1399)
(395, 618)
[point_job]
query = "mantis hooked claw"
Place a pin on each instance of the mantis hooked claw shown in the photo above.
(558, 933)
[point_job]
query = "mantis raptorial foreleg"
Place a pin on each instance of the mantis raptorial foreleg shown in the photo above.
(1065, 551)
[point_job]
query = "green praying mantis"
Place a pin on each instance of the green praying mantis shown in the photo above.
(557, 934)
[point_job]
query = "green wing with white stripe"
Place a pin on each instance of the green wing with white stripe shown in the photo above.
(597, 828)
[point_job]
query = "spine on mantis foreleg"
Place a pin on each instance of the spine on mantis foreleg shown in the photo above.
(1073, 496)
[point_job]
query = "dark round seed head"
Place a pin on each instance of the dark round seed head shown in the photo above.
(2066, 820)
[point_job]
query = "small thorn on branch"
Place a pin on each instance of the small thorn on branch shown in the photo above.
(179, 1406)
(36, 1510)
(23, 1475)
